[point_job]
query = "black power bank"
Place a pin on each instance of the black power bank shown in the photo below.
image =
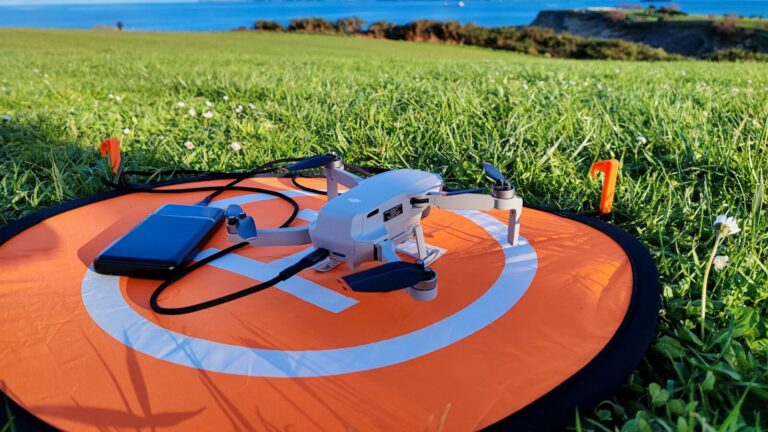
(159, 245)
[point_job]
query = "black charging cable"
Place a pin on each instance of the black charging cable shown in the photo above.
(305, 188)
(307, 261)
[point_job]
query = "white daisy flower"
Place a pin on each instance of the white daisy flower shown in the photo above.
(208, 114)
(36, 70)
(641, 140)
(110, 96)
(208, 104)
(727, 225)
(118, 99)
(251, 106)
(225, 97)
(189, 145)
(720, 262)
(181, 104)
(126, 131)
(236, 146)
(239, 109)
(192, 112)
(7, 118)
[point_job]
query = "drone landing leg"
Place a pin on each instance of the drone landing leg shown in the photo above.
(420, 246)
(335, 174)
(515, 216)
(332, 188)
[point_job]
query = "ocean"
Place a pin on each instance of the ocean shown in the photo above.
(222, 16)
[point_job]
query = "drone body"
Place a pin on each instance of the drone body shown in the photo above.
(368, 221)
(355, 225)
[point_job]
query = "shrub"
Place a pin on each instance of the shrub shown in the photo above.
(350, 25)
(267, 25)
(729, 25)
(312, 25)
(380, 29)
(738, 54)
(529, 40)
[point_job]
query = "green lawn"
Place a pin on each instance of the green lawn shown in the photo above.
(443, 108)
(636, 15)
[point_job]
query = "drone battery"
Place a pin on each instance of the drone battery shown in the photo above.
(161, 243)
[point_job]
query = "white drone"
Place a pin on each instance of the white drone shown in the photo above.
(367, 223)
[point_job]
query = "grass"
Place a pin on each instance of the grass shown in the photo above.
(643, 15)
(444, 108)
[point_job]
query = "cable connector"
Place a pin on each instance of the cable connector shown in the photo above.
(306, 262)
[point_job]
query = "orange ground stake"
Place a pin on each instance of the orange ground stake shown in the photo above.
(111, 147)
(610, 169)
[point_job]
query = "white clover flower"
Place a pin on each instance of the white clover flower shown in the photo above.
(208, 104)
(189, 145)
(641, 140)
(251, 106)
(225, 97)
(118, 99)
(181, 104)
(208, 114)
(110, 96)
(239, 109)
(36, 70)
(126, 131)
(720, 262)
(236, 146)
(7, 118)
(192, 112)
(727, 225)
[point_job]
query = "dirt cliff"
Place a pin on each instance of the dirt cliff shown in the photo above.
(688, 38)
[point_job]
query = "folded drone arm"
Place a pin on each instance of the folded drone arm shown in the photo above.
(275, 237)
(468, 201)
(474, 201)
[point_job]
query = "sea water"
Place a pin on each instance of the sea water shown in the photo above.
(222, 16)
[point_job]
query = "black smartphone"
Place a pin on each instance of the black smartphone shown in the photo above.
(161, 244)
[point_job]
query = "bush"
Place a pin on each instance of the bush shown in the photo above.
(380, 29)
(350, 25)
(729, 25)
(738, 54)
(530, 40)
(267, 25)
(312, 25)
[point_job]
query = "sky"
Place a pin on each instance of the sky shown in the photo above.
(49, 2)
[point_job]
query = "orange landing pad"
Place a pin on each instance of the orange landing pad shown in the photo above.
(517, 337)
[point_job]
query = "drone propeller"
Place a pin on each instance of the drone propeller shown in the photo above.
(245, 225)
(494, 173)
(389, 277)
(313, 162)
